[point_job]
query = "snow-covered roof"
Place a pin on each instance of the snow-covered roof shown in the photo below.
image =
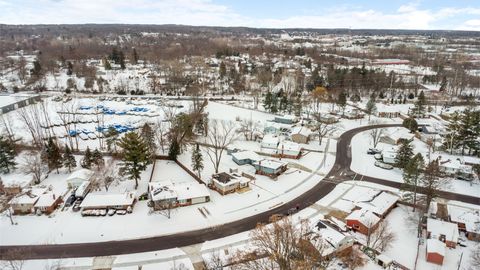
(181, 191)
(226, 179)
(289, 146)
(471, 160)
(30, 196)
(82, 188)
(380, 204)
(270, 139)
(301, 131)
(46, 199)
(367, 218)
(469, 217)
(438, 227)
(435, 246)
(108, 199)
(332, 236)
(83, 174)
(246, 155)
(270, 163)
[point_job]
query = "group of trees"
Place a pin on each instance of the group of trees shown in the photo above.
(463, 130)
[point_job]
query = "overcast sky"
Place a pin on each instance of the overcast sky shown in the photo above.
(355, 14)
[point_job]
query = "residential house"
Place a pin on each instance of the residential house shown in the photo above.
(286, 119)
(121, 201)
(226, 183)
(245, 157)
(77, 177)
(288, 149)
(269, 167)
(24, 202)
(454, 167)
(444, 231)
(363, 221)
(166, 194)
(300, 134)
(468, 221)
(47, 203)
(381, 204)
(471, 161)
(435, 252)
(336, 240)
(270, 141)
(388, 112)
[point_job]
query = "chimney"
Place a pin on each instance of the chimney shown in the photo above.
(53, 196)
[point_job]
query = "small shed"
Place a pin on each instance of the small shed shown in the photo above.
(435, 251)
(286, 119)
(245, 157)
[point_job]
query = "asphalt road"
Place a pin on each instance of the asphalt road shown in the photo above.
(340, 172)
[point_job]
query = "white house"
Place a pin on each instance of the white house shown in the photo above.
(270, 141)
(120, 201)
(300, 134)
(177, 194)
(77, 177)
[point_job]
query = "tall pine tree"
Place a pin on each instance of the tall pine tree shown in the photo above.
(404, 154)
(197, 160)
(136, 156)
(7, 155)
(149, 137)
(411, 176)
(69, 161)
(87, 160)
(53, 155)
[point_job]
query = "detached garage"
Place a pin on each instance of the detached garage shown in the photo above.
(435, 251)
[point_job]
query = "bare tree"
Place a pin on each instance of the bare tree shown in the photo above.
(322, 127)
(29, 115)
(375, 135)
(33, 165)
(12, 259)
(214, 262)
(475, 258)
(220, 135)
(283, 245)
(431, 182)
(381, 238)
(22, 69)
(352, 257)
(249, 128)
(69, 118)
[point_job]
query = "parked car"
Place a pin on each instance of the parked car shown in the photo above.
(383, 165)
(373, 151)
(378, 156)
(111, 212)
(143, 197)
(121, 212)
(70, 200)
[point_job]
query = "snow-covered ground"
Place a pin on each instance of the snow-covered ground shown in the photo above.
(364, 164)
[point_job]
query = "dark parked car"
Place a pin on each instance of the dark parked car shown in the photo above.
(70, 200)
(143, 197)
(373, 151)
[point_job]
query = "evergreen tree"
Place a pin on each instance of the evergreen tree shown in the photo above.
(97, 158)
(411, 124)
(134, 56)
(197, 160)
(411, 176)
(7, 155)
(53, 155)
(223, 70)
(87, 159)
(431, 182)
(149, 137)
(174, 150)
(112, 137)
(267, 102)
(451, 139)
(136, 156)
(371, 107)
(121, 60)
(106, 64)
(342, 101)
(404, 154)
(37, 68)
(69, 68)
(420, 104)
(69, 161)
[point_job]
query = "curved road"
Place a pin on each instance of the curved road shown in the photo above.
(340, 172)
